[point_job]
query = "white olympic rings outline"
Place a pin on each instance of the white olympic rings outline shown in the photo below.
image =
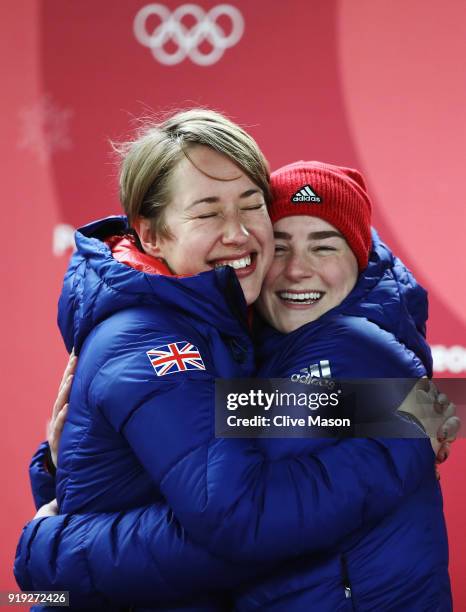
(188, 40)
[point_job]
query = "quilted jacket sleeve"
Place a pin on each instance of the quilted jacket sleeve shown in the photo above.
(227, 494)
(144, 556)
(42, 481)
(136, 558)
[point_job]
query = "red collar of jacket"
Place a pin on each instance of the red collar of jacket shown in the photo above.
(125, 251)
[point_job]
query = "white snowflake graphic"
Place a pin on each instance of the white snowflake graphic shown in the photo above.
(44, 128)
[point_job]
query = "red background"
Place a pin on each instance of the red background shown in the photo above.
(375, 85)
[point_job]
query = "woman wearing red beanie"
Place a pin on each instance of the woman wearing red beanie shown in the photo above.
(335, 295)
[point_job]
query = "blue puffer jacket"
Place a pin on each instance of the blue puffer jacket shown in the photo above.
(402, 562)
(238, 507)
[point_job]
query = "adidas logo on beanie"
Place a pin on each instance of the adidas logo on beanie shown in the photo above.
(335, 194)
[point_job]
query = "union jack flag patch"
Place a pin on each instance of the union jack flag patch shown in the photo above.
(175, 357)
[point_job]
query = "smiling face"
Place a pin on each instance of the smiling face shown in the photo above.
(214, 220)
(313, 270)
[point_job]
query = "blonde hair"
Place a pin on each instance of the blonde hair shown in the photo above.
(149, 160)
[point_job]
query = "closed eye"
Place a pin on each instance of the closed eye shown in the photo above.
(255, 207)
(207, 215)
(324, 248)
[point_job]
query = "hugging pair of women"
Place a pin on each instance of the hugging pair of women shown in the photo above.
(157, 513)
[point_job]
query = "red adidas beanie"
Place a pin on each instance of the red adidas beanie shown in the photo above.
(335, 194)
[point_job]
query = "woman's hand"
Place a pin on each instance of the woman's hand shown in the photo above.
(448, 430)
(50, 509)
(439, 415)
(60, 409)
(436, 414)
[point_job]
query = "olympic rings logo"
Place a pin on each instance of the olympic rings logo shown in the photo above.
(188, 40)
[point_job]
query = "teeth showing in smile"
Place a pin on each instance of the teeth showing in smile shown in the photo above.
(308, 297)
(237, 264)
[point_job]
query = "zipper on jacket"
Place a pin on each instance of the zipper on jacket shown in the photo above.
(345, 577)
